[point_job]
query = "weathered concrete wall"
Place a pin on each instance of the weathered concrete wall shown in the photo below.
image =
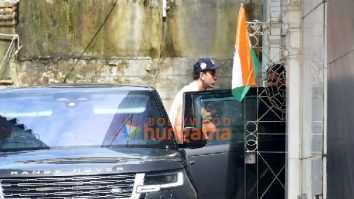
(202, 28)
(134, 46)
(60, 28)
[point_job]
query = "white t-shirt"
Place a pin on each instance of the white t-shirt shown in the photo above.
(178, 101)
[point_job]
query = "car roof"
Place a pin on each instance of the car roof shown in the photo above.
(76, 86)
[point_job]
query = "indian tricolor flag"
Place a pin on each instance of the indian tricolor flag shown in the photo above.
(245, 63)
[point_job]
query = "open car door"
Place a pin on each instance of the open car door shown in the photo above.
(219, 168)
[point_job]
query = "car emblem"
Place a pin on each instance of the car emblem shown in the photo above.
(116, 190)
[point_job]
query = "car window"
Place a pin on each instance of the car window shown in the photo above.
(75, 118)
(222, 116)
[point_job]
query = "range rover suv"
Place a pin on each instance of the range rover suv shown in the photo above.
(89, 141)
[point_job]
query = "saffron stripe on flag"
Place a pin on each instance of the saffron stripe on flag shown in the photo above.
(243, 72)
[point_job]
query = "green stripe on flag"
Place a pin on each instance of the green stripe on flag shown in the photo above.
(240, 92)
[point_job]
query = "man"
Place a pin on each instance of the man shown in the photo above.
(204, 78)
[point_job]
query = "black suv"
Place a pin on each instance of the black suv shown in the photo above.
(106, 141)
(89, 141)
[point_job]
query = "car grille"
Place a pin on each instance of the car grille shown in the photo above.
(92, 186)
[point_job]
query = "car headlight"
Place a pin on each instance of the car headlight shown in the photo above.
(156, 182)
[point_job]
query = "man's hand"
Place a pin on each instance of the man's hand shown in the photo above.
(208, 127)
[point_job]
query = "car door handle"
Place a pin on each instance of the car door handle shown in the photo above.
(191, 162)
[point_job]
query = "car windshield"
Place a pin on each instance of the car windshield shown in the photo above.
(60, 118)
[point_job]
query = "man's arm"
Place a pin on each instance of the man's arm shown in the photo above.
(178, 126)
(208, 127)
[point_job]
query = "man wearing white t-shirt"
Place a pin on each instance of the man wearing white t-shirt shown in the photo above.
(204, 78)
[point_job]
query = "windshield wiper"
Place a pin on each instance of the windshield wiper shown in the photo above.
(19, 149)
(120, 128)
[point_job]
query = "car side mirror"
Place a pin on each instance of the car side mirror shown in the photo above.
(193, 138)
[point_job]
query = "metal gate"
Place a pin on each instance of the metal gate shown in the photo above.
(265, 137)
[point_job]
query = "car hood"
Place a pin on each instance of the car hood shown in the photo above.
(88, 162)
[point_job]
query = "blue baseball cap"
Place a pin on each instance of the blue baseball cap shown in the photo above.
(204, 64)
